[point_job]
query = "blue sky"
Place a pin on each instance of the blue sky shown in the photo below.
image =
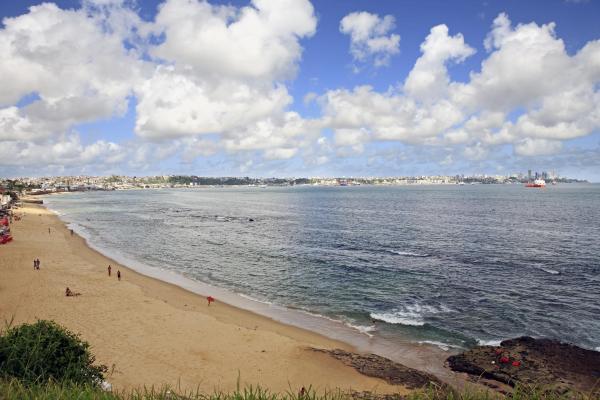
(181, 101)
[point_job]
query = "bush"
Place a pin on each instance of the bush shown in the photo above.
(36, 353)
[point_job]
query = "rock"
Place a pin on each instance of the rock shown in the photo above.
(383, 368)
(550, 363)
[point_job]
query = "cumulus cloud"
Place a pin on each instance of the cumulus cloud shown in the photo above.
(223, 72)
(428, 80)
(370, 37)
(537, 147)
(64, 151)
(210, 79)
(196, 69)
(529, 93)
(260, 41)
(78, 70)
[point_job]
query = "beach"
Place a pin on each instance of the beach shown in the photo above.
(152, 333)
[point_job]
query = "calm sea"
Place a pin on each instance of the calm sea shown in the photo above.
(448, 265)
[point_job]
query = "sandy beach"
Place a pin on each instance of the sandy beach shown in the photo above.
(149, 332)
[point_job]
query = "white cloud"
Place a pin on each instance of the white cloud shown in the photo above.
(219, 70)
(224, 75)
(370, 37)
(64, 151)
(80, 71)
(537, 147)
(428, 80)
(255, 42)
(528, 73)
(212, 79)
(173, 104)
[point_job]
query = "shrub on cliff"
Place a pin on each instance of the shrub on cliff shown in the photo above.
(43, 351)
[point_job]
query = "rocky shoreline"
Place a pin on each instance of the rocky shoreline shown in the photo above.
(379, 367)
(557, 366)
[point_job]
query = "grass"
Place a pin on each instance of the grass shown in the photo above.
(16, 390)
(47, 362)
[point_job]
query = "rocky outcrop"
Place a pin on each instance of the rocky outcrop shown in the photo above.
(380, 367)
(541, 362)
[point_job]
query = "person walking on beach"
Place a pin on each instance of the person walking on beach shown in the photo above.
(109, 269)
(48, 231)
(210, 299)
(119, 274)
(34, 264)
(37, 264)
(71, 232)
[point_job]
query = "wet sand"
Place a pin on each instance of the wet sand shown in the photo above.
(150, 332)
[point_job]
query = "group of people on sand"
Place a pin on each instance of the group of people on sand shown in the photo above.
(118, 272)
(36, 263)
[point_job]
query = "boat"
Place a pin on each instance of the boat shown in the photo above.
(538, 183)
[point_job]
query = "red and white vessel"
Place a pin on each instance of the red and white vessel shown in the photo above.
(538, 183)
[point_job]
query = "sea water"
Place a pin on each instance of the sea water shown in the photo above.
(448, 265)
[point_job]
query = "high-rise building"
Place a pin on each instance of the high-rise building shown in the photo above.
(529, 174)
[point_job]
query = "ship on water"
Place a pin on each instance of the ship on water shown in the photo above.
(538, 183)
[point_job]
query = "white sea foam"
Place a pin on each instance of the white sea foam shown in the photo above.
(245, 296)
(550, 271)
(489, 342)
(399, 318)
(363, 329)
(412, 314)
(441, 345)
(410, 254)
(542, 267)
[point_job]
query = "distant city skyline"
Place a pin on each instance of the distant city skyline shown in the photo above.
(286, 88)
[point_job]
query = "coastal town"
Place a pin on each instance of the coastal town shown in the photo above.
(44, 185)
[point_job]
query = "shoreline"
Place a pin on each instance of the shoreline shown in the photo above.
(424, 356)
(151, 332)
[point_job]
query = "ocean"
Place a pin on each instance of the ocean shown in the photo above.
(450, 266)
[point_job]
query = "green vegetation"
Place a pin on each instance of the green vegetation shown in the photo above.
(14, 389)
(44, 351)
(47, 362)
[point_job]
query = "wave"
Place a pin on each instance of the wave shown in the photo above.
(412, 315)
(399, 318)
(488, 342)
(542, 267)
(441, 345)
(409, 253)
(550, 271)
(245, 296)
(363, 328)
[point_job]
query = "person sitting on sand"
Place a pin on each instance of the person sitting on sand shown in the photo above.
(210, 299)
(70, 293)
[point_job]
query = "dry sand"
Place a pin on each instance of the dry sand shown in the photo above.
(150, 332)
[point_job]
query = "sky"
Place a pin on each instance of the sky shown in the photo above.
(282, 88)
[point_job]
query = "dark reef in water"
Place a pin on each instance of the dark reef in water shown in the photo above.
(559, 366)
